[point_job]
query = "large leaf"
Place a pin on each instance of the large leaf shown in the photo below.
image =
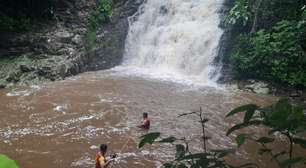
(194, 156)
(243, 125)
(248, 107)
(168, 165)
(148, 139)
(168, 140)
(6, 162)
(181, 165)
(240, 139)
(264, 140)
(223, 152)
(280, 114)
(180, 151)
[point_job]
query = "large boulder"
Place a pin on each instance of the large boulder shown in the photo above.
(258, 87)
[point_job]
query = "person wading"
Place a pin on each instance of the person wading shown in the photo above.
(145, 122)
(101, 161)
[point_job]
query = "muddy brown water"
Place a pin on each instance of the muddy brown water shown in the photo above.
(60, 125)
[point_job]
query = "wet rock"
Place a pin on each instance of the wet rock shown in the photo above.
(26, 68)
(258, 87)
(295, 94)
(77, 39)
(64, 35)
(2, 84)
(54, 50)
(163, 10)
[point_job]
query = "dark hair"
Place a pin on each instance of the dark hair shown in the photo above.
(103, 148)
(145, 114)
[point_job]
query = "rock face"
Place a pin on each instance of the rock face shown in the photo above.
(111, 37)
(54, 50)
(254, 86)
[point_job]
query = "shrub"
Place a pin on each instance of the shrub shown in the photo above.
(100, 14)
(282, 120)
(277, 55)
(14, 24)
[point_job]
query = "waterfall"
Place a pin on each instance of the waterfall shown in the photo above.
(178, 38)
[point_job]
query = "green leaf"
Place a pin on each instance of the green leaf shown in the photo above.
(6, 162)
(301, 142)
(180, 151)
(223, 152)
(148, 139)
(168, 140)
(248, 107)
(182, 165)
(264, 140)
(243, 125)
(240, 139)
(168, 165)
(194, 156)
(249, 113)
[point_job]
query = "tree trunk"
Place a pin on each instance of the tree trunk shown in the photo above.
(256, 12)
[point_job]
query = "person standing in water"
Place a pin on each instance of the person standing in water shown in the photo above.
(101, 161)
(145, 122)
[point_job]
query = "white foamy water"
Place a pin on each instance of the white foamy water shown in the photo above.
(176, 39)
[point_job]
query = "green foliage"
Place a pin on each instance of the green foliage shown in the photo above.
(240, 139)
(6, 162)
(100, 14)
(281, 118)
(276, 55)
(240, 13)
(89, 39)
(273, 47)
(148, 139)
(14, 24)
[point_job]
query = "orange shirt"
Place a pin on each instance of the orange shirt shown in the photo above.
(100, 159)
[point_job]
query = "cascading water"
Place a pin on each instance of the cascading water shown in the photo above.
(175, 38)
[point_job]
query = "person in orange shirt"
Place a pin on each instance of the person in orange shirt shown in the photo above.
(145, 122)
(101, 161)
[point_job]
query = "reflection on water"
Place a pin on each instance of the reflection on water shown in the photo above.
(62, 124)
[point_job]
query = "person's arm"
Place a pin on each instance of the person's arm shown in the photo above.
(141, 125)
(104, 164)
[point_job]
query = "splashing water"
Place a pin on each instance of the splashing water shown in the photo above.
(177, 39)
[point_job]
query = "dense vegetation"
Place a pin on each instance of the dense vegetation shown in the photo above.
(99, 15)
(16, 15)
(283, 121)
(272, 42)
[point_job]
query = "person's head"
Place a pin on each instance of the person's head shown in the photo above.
(145, 115)
(103, 148)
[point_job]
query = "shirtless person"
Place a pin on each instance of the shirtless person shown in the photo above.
(145, 122)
